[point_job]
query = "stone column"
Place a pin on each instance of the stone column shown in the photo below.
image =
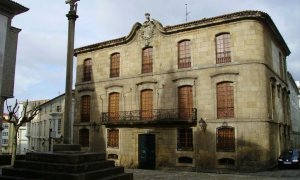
(69, 72)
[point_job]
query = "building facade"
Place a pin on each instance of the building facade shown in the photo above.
(209, 94)
(294, 110)
(6, 142)
(8, 49)
(46, 128)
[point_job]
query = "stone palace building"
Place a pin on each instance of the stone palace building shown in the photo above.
(208, 94)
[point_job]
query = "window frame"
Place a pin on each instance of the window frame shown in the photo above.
(225, 139)
(113, 138)
(184, 54)
(114, 106)
(115, 65)
(85, 110)
(185, 102)
(185, 140)
(223, 48)
(147, 60)
(225, 100)
(84, 137)
(87, 69)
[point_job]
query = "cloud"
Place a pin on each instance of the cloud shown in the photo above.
(42, 45)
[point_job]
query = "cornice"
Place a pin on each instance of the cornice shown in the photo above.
(205, 22)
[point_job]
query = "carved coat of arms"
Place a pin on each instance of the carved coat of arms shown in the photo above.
(147, 31)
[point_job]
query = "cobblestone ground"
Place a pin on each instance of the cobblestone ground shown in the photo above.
(140, 174)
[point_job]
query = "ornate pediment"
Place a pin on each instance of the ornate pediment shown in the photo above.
(147, 30)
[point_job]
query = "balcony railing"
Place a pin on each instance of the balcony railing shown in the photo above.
(150, 117)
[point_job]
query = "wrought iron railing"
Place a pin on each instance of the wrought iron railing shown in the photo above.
(158, 115)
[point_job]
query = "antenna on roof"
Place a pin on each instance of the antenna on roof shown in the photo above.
(186, 12)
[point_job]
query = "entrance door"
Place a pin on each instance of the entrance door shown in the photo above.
(147, 151)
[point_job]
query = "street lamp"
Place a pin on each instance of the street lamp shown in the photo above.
(72, 16)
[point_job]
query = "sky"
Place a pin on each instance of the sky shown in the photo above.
(42, 48)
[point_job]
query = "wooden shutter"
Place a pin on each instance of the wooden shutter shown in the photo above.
(147, 105)
(185, 102)
(113, 107)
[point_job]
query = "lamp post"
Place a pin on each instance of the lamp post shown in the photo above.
(69, 72)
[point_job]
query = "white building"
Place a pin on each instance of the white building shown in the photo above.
(5, 147)
(46, 128)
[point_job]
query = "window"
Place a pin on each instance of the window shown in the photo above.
(4, 133)
(113, 138)
(147, 105)
(184, 54)
(85, 108)
(225, 139)
(226, 162)
(84, 137)
(4, 141)
(225, 100)
(273, 91)
(147, 60)
(87, 70)
(115, 65)
(113, 107)
(59, 126)
(185, 102)
(185, 160)
(223, 46)
(112, 156)
(185, 139)
(58, 108)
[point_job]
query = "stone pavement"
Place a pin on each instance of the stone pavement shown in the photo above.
(139, 174)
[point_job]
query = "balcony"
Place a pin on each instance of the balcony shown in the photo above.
(156, 117)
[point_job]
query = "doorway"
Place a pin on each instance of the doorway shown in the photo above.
(146, 153)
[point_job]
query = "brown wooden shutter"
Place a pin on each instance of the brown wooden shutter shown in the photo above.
(147, 105)
(113, 107)
(185, 102)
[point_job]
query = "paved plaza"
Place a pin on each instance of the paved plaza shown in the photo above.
(140, 174)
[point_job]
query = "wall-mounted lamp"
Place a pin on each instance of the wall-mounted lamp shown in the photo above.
(202, 124)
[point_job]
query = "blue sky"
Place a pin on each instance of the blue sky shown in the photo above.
(42, 49)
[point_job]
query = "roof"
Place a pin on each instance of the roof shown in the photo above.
(51, 100)
(205, 22)
(12, 7)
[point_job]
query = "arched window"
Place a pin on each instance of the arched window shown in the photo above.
(147, 60)
(84, 137)
(185, 102)
(147, 105)
(225, 139)
(85, 108)
(223, 45)
(113, 106)
(87, 70)
(184, 54)
(225, 100)
(115, 65)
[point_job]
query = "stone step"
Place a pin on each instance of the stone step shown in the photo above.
(14, 178)
(62, 167)
(69, 158)
(48, 175)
